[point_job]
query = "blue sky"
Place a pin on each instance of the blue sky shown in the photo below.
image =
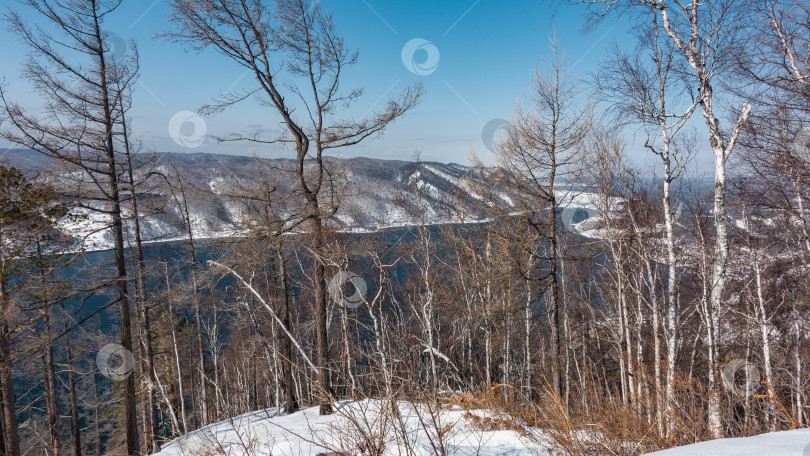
(487, 53)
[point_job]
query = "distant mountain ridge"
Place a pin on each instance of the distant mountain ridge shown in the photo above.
(381, 192)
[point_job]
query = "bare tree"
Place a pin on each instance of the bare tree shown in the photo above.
(772, 65)
(539, 157)
(28, 214)
(647, 91)
(703, 32)
(79, 125)
(271, 214)
(295, 39)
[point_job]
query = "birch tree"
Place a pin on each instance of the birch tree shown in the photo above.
(704, 32)
(647, 91)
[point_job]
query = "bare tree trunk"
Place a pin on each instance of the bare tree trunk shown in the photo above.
(133, 444)
(527, 337)
(147, 362)
(657, 356)
(506, 355)
(321, 338)
(627, 346)
(74, 403)
(176, 431)
(427, 308)
(204, 416)
(2, 425)
(673, 338)
(48, 366)
(556, 294)
(180, 392)
(722, 147)
(344, 319)
(216, 348)
(718, 281)
(765, 329)
(797, 374)
(487, 302)
(48, 372)
(286, 344)
(11, 437)
(96, 414)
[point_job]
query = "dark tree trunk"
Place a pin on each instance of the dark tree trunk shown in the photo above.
(74, 403)
(48, 372)
(2, 425)
(147, 361)
(133, 445)
(96, 414)
(324, 388)
(286, 344)
(12, 439)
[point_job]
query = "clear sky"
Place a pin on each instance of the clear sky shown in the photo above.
(477, 59)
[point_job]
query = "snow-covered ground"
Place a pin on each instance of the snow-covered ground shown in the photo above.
(786, 443)
(307, 433)
(475, 432)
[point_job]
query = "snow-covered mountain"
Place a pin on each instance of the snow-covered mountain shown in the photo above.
(375, 193)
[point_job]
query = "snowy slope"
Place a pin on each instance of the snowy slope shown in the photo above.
(786, 443)
(306, 433)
